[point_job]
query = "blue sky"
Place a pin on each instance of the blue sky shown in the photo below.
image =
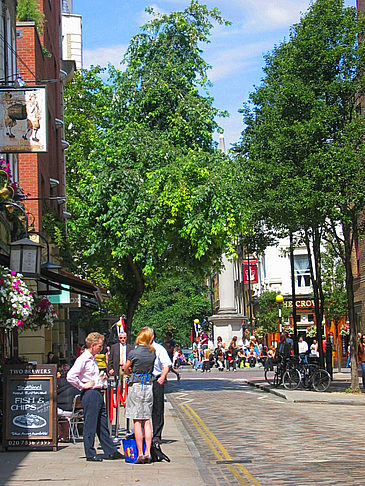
(235, 52)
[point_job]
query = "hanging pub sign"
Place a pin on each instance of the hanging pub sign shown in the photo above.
(23, 119)
(252, 277)
(30, 407)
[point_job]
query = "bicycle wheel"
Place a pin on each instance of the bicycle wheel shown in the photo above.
(291, 379)
(269, 376)
(278, 377)
(321, 380)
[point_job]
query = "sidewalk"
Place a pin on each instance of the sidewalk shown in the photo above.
(68, 465)
(336, 394)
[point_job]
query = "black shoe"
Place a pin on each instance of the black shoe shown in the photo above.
(115, 455)
(94, 459)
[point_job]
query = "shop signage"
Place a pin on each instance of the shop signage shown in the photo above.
(23, 119)
(252, 277)
(30, 407)
(253, 261)
(300, 304)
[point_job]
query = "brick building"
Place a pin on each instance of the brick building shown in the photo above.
(42, 175)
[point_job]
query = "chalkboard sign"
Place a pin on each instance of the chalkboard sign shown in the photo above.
(30, 407)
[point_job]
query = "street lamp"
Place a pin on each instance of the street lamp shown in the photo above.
(25, 254)
(279, 299)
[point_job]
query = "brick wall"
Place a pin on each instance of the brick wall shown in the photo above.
(35, 170)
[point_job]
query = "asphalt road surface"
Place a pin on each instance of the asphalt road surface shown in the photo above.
(240, 435)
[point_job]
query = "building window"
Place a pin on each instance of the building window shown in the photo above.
(301, 269)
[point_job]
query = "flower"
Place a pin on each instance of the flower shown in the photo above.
(16, 301)
(345, 330)
(311, 331)
(43, 313)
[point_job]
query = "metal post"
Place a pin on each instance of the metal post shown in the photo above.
(293, 295)
(329, 366)
(280, 320)
(249, 292)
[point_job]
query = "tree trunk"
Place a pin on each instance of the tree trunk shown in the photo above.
(138, 292)
(316, 277)
(351, 306)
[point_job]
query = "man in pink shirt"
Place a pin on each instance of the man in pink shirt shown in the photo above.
(85, 376)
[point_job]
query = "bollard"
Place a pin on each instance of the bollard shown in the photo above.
(329, 367)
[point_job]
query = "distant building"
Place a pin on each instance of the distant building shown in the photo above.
(71, 34)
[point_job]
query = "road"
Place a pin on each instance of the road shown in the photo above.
(243, 436)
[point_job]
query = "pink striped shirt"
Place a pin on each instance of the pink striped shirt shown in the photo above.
(85, 369)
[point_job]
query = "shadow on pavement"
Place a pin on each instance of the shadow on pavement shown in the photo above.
(203, 384)
(10, 462)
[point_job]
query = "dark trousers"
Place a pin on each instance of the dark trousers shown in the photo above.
(95, 423)
(158, 410)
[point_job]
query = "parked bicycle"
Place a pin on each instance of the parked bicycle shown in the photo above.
(284, 372)
(291, 374)
(312, 376)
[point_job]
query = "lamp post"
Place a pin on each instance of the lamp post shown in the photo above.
(25, 254)
(279, 299)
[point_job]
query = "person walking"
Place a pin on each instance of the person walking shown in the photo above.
(85, 376)
(160, 370)
(361, 356)
(139, 402)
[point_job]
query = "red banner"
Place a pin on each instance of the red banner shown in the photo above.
(253, 274)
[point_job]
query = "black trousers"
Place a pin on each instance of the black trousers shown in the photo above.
(158, 410)
(96, 422)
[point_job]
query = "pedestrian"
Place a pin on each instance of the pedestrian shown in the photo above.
(303, 350)
(102, 359)
(160, 370)
(230, 358)
(139, 403)
(283, 350)
(171, 347)
(220, 359)
(361, 356)
(348, 363)
(118, 356)
(314, 349)
(85, 376)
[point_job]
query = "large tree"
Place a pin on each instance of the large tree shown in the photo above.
(303, 145)
(149, 191)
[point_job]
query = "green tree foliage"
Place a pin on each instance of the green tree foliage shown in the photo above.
(28, 10)
(268, 313)
(149, 191)
(172, 305)
(303, 147)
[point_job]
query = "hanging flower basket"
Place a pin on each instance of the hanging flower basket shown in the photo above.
(345, 330)
(311, 332)
(43, 314)
(16, 301)
(289, 329)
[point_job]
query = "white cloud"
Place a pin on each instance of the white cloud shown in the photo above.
(262, 15)
(226, 62)
(145, 17)
(103, 55)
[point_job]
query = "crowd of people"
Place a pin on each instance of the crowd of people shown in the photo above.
(238, 354)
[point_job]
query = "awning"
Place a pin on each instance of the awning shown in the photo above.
(74, 284)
